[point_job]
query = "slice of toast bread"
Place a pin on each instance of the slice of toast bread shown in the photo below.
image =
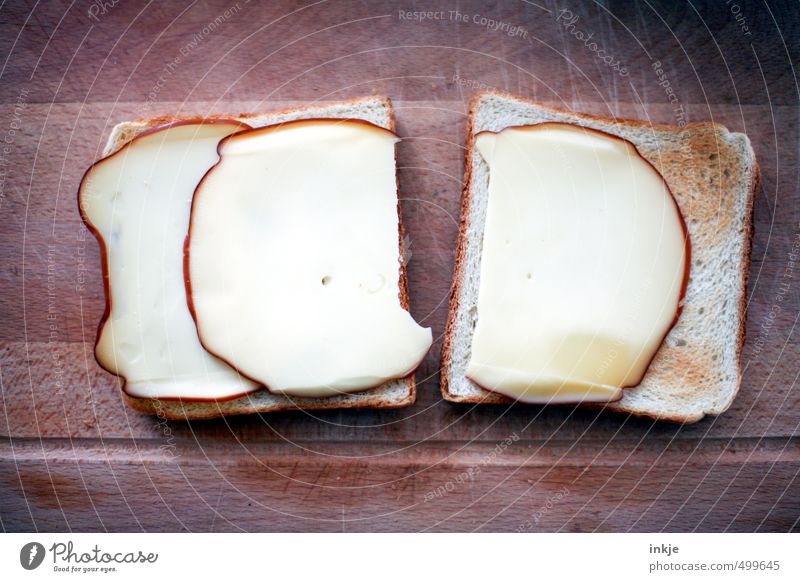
(713, 175)
(393, 394)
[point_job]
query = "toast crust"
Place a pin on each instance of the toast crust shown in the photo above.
(183, 409)
(488, 397)
(176, 410)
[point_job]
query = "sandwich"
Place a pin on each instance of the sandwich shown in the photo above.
(600, 262)
(298, 208)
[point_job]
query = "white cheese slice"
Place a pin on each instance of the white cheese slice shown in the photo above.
(582, 268)
(138, 200)
(294, 259)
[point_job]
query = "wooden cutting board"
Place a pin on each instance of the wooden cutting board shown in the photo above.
(73, 457)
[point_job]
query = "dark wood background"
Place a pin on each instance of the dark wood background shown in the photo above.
(73, 457)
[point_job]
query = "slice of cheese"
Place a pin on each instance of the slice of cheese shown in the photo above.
(294, 259)
(138, 202)
(583, 265)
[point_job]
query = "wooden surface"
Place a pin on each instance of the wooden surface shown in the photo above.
(73, 457)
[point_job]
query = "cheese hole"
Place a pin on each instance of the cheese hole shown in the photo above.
(326, 279)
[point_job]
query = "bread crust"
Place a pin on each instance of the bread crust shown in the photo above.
(194, 409)
(181, 410)
(488, 397)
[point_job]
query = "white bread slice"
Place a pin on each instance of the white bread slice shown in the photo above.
(393, 394)
(713, 175)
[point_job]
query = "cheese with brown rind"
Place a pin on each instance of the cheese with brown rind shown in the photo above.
(583, 263)
(292, 259)
(138, 201)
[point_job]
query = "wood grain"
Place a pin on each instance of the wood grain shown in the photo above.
(73, 457)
